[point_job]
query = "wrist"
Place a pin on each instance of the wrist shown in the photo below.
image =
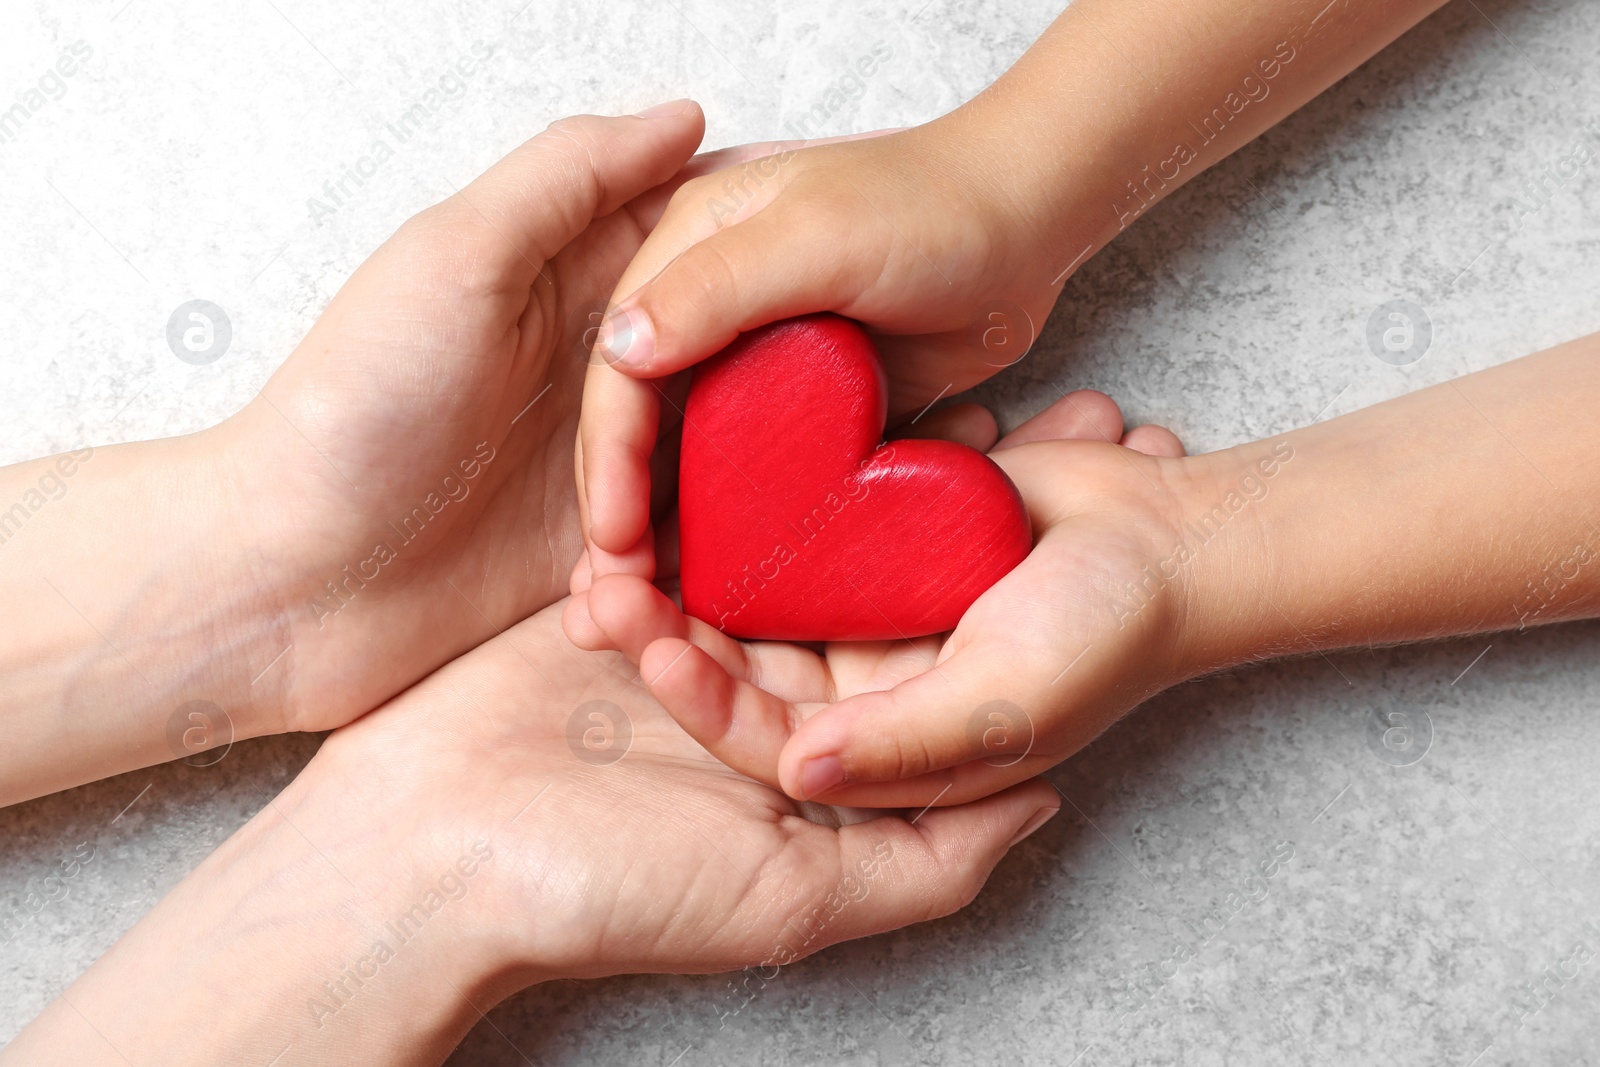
(373, 574)
(344, 937)
(1230, 545)
(1045, 208)
(140, 604)
(1067, 157)
(212, 601)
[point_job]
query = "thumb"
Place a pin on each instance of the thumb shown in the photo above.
(956, 731)
(523, 210)
(694, 296)
(897, 871)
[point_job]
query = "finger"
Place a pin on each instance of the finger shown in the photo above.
(634, 614)
(518, 214)
(637, 559)
(929, 723)
(740, 724)
(960, 784)
(580, 627)
(582, 575)
(621, 417)
(771, 265)
(621, 414)
(892, 872)
(617, 432)
(1154, 441)
(965, 424)
(993, 697)
(629, 433)
(1084, 415)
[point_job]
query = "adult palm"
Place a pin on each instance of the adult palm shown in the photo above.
(409, 467)
(588, 791)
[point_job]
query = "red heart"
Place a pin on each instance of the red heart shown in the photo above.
(796, 524)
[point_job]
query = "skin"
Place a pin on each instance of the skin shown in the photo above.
(950, 241)
(1464, 508)
(551, 848)
(663, 860)
(204, 567)
(449, 331)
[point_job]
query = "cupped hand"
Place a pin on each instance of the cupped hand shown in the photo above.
(618, 843)
(525, 813)
(410, 465)
(1039, 665)
(902, 231)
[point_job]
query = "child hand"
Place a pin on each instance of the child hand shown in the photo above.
(1039, 665)
(904, 232)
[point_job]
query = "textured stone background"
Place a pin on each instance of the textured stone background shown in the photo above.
(177, 164)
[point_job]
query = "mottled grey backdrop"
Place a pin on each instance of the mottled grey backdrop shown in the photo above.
(176, 164)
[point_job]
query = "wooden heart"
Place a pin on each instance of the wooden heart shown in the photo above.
(798, 524)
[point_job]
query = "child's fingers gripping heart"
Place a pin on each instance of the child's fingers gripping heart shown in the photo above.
(690, 237)
(901, 733)
(1038, 666)
(742, 700)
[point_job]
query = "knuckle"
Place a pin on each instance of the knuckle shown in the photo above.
(457, 247)
(703, 277)
(909, 755)
(953, 889)
(578, 135)
(958, 893)
(728, 196)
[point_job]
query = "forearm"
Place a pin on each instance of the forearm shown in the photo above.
(1119, 103)
(1463, 508)
(128, 592)
(315, 935)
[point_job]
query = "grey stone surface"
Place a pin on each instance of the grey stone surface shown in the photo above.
(177, 164)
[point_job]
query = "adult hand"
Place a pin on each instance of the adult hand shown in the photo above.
(400, 489)
(526, 813)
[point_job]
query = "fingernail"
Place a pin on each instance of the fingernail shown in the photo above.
(627, 337)
(670, 108)
(820, 775)
(1036, 820)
